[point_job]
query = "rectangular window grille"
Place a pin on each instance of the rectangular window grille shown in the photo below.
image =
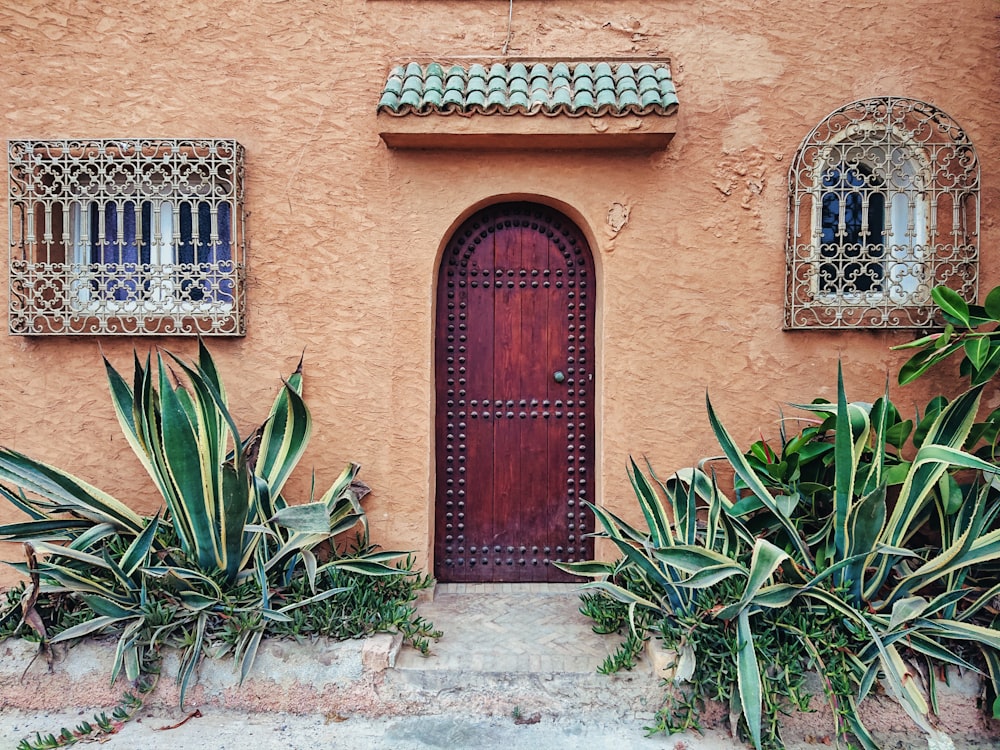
(131, 237)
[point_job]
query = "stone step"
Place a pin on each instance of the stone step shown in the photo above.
(518, 646)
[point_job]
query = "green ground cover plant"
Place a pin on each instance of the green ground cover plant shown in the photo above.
(862, 545)
(226, 562)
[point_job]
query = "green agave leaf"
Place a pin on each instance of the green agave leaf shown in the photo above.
(859, 730)
(710, 576)
(777, 595)
(314, 599)
(127, 652)
(93, 536)
(274, 616)
(345, 487)
(137, 553)
(657, 575)
(88, 559)
(363, 567)
(309, 518)
(190, 656)
(846, 461)
(285, 434)
(964, 631)
(71, 580)
(68, 492)
(249, 654)
(922, 642)
(939, 450)
(192, 498)
(20, 501)
(899, 678)
(748, 677)
(293, 546)
(984, 599)
(621, 594)
(310, 563)
(196, 601)
(185, 579)
(692, 559)
(236, 546)
(90, 627)
(765, 560)
(992, 659)
(28, 531)
(590, 568)
(105, 607)
(124, 401)
(683, 503)
(652, 509)
(905, 610)
(753, 482)
(865, 524)
(208, 370)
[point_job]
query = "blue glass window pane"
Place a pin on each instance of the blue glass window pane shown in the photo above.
(855, 248)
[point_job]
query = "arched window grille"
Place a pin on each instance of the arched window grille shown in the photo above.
(883, 206)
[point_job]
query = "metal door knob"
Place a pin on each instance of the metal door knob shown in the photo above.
(558, 376)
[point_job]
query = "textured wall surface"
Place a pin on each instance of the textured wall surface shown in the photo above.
(345, 235)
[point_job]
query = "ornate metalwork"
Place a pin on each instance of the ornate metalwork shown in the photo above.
(129, 237)
(883, 206)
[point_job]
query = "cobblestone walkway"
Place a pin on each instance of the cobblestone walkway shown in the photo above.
(510, 627)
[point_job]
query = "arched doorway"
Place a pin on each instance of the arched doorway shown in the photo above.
(514, 372)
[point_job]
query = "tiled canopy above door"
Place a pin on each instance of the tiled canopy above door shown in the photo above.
(526, 104)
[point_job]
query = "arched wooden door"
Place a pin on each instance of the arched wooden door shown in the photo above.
(514, 364)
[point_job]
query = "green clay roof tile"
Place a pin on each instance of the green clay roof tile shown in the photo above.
(583, 100)
(604, 83)
(606, 98)
(650, 98)
(593, 89)
(389, 101)
(518, 99)
(453, 96)
(411, 99)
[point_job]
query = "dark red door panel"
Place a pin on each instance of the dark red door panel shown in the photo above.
(514, 383)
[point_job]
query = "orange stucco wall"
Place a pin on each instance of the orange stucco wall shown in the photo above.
(345, 234)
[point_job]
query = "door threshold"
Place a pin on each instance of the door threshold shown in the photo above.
(506, 588)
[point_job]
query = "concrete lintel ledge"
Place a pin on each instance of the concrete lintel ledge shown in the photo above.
(648, 133)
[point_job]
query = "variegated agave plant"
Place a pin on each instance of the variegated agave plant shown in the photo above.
(226, 540)
(850, 548)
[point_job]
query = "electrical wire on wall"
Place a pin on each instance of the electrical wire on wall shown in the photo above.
(510, 33)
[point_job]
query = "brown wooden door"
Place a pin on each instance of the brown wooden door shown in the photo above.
(514, 362)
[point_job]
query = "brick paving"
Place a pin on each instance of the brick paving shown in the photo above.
(510, 627)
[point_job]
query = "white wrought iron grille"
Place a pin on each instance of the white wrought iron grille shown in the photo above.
(883, 206)
(130, 236)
